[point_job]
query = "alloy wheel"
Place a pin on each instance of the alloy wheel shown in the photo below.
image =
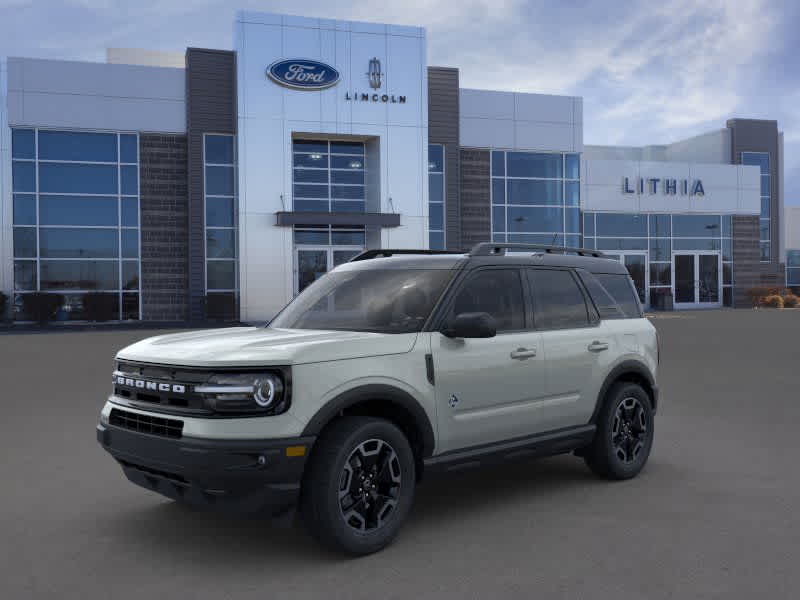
(629, 430)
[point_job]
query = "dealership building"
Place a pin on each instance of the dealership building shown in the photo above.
(217, 184)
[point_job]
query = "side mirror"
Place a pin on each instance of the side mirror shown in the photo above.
(471, 325)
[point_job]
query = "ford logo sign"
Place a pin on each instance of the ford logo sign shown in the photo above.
(303, 74)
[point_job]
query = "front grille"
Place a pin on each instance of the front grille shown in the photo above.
(171, 428)
(185, 402)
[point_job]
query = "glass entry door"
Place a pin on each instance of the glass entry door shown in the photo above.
(697, 279)
(312, 263)
(636, 263)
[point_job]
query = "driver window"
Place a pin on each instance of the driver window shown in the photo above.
(497, 292)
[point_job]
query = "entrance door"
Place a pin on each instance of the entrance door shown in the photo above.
(311, 263)
(636, 263)
(697, 279)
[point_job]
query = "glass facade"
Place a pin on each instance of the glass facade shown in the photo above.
(328, 176)
(76, 220)
(761, 160)
(535, 198)
(793, 269)
(657, 236)
(436, 197)
(219, 158)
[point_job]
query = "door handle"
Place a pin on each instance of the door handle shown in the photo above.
(523, 353)
(597, 346)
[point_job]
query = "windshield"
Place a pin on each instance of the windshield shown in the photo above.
(385, 301)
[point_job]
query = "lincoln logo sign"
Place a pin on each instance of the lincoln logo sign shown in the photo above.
(667, 186)
(302, 74)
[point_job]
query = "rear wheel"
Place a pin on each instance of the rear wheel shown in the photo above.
(359, 486)
(624, 434)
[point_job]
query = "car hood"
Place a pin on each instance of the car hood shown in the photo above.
(260, 346)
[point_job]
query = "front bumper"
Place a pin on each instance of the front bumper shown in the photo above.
(240, 476)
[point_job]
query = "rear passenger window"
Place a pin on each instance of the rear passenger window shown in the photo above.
(558, 301)
(497, 292)
(621, 289)
(606, 305)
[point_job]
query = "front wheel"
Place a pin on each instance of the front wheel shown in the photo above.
(359, 486)
(624, 434)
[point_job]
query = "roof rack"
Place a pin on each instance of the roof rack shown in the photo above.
(386, 252)
(491, 249)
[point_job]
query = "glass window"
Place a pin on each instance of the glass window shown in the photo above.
(436, 216)
(573, 166)
(128, 148)
(347, 192)
(727, 249)
(572, 220)
(343, 162)
(219, 181)
(606, 305)
(66, 178)
(660, 226)
(130, 212)
(621, 289)
(23, 143)
(56, 242)
(130, 275)
(588, 224)
(219, 149)
(531, 191)
(129, 178)
(793, 258)
(220, 243)
(436, 192)
(23, 176)
(79, 275)
(435, 158)
(727, 273)
(622, 225)
(765, 251)
(498, 163)
(130, 243)
(765, 207)
(348, 238)
(347, 206)
(558, 302)
(695, 244)
(130, 307)
(622, 243)
(312, 146)
(759, 159)
(310, 191)
(78, 146)
(530, 164)
(24, 209)
(317, 161)
(660, 249)
(347, 148)
(497, 292)
(221, 274)
(765, 191)
(696, 225)
(312, 205)
(660, 274)
(311, 175)
(572, 193)
(498, 191)
(550, 239)
(353, 177)
(764, 229)
(219, 212)
(436, 240)
(25, 275)
(727, 225)
(77, 210)
(25, 242)
(312, 237)
(535, 219)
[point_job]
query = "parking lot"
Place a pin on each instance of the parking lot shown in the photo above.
(714, 515)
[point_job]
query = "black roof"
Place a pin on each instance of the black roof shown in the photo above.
(488, 254)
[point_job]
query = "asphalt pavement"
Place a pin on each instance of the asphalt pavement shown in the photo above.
(713, 515)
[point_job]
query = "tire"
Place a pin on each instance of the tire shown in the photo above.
(358, 520)
(624, 436)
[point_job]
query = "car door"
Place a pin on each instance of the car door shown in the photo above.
(576, 345)
(488, 389)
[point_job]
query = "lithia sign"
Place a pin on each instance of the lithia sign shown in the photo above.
(306, 74)
(667, 186)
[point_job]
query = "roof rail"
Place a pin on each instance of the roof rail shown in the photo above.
(386, 252)
(491, 249)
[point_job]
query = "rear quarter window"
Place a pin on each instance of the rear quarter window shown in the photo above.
(620, 288)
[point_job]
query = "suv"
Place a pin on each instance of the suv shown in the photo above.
(395, 364)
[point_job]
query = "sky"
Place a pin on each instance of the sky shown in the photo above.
(650, 72)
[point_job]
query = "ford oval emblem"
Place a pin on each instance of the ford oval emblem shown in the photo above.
(303, 74)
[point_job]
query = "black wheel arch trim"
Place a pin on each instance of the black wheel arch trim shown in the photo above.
(624, 368)
(375, 392)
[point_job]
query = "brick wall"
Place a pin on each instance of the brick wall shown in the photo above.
(748, 271)
(476, 216)
(165, 233)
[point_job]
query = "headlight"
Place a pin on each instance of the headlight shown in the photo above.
(245, 393)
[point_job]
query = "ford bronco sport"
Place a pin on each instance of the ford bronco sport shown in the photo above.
(395, 364)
